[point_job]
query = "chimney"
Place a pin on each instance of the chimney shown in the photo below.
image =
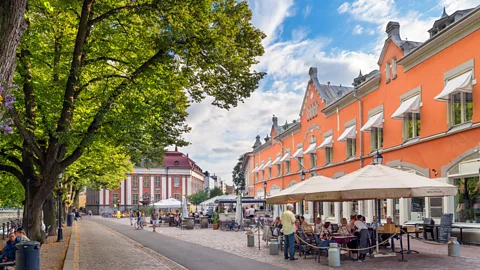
(393, 29)
(275, 121)
(313, 73)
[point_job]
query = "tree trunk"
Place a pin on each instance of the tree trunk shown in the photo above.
(76, 199)
(34, 221)
(12, 26)
(50, 214)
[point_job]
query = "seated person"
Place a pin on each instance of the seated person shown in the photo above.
(375, 223)
(307, 228)
(8, 252)
(385, 236)
(20, 234)
(326, 236)
(344, 228)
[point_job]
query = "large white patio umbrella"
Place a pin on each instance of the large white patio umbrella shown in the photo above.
(168, 203)
(380, 182)
(298, 192)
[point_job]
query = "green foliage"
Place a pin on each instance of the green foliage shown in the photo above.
(215, 218)
(238, 175)
(11, 191)
(215, 192)
(198, 197)
(469, 196)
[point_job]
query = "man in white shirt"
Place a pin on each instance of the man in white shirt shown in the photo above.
(363, 237)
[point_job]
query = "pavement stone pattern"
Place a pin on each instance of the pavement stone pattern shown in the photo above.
(102, 248)
(432, 256)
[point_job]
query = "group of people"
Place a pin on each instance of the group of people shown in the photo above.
(290, 225)
(7, 254)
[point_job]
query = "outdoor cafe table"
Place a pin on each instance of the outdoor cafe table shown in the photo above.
(343, 239)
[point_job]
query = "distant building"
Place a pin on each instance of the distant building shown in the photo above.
(176, 177)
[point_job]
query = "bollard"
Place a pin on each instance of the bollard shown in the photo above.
(453, 247)
(250, 240)
(274, 246)
(334, 255)
(3, 231)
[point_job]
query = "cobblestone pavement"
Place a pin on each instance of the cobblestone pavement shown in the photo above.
(432, 256)
(102, 248)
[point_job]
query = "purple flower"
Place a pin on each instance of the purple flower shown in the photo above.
(8, 129)
(9, 99)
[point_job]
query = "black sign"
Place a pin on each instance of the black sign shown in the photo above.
(445, 229)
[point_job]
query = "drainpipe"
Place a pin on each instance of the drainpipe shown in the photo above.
(361, 122)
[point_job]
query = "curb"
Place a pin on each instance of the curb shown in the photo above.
(71, 262)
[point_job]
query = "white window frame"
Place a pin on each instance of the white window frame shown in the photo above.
(394, 68)
(135, 181)
(133, 199)
(157, 197)
(113, 198)
(415, 132)
(158, 181)
(351, 147)
(313, 160)
(176, 182)
(387, 72)
(463, 108)
(376, 141)
(287, 166)
(328, 155)
(279, 167)
(300, 163)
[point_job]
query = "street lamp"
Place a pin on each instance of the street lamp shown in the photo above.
(302, 177)
(377, 158)
(59, 196)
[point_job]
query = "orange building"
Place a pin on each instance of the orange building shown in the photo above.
(420, 110)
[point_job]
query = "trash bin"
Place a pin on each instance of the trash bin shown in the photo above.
(190, 223)
(70, 218)
(27, 256)
(204, 222)
(274, 246)
(250, 240)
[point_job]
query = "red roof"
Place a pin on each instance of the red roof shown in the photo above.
(178, 159)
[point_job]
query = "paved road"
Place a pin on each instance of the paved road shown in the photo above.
(101, 248)
(190, 255)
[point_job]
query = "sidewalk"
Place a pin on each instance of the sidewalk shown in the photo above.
(101, 248)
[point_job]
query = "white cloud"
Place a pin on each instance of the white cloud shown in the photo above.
(454, 5)
(299, 33)
(357, 30)
(343, 8)
(268, 16)
(306, 11)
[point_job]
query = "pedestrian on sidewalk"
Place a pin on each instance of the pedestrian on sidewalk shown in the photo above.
(288, 221)
(154, 218)
(131, 218)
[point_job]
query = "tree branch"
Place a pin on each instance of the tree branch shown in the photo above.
(103, 58)
(119, 9)
(101, 78)
(25, 134)
(13, 171)
(95, 124)
(11, 158)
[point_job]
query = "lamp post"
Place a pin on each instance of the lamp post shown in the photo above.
(302, 177)
(59, 196)
(377, 160)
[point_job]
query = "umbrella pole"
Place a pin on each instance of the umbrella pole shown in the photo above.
(379, 218)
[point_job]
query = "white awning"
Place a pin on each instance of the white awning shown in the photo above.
(328, 142)
(349, 133)
(462, 83)
(277, 161)
(299, 153)
(255, 170)
(376, 121)
(285, 158)
(268, 165)
(261, 168)
(411, 105)
(311, 149)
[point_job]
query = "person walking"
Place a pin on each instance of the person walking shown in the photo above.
(154, 219)
(288, 222)
(131, 218)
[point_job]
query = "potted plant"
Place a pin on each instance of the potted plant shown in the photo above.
(215, 221)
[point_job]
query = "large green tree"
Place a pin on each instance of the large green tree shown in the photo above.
(121, 73)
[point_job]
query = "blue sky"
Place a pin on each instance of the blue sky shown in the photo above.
(338, 37)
